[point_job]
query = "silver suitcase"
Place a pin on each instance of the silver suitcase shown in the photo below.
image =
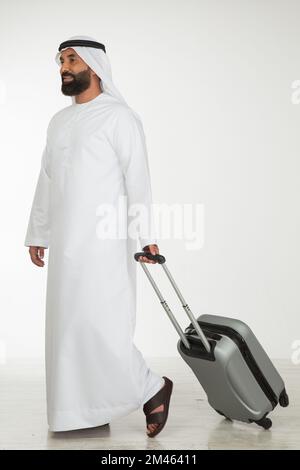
(239, 379)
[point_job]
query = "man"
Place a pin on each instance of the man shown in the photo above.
(95, 156)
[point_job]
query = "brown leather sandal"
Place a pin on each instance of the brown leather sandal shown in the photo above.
(162, 397)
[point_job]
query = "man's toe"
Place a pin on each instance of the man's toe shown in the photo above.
(152, 427)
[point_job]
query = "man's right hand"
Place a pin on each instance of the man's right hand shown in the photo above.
(36, 255)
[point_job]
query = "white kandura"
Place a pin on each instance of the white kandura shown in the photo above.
(95, 153)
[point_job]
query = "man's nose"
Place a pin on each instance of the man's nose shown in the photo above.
(64, 71)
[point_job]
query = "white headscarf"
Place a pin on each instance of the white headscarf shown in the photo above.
(98, 61)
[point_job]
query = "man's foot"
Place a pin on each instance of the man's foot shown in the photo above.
(156, 409)
(151, 427)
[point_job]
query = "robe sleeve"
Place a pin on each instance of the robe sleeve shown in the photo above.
(130, 146)
(38, 230)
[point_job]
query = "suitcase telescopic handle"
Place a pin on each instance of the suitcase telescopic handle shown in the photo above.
(162, 260)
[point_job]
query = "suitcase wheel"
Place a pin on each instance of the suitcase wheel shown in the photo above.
(283, 399)
(265, 423)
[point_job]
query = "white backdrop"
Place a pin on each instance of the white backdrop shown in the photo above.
(212, 81)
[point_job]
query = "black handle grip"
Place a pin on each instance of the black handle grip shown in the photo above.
(159, 258)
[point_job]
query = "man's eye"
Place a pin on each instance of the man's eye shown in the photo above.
(71, 60)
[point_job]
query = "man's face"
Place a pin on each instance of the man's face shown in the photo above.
(75, 73)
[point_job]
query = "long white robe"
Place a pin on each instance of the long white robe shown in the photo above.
(95, 153)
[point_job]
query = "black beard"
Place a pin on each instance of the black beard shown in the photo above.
(81, 82)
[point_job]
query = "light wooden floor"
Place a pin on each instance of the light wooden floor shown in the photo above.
(192, 424)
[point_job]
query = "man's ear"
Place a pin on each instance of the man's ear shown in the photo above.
(92, 72)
